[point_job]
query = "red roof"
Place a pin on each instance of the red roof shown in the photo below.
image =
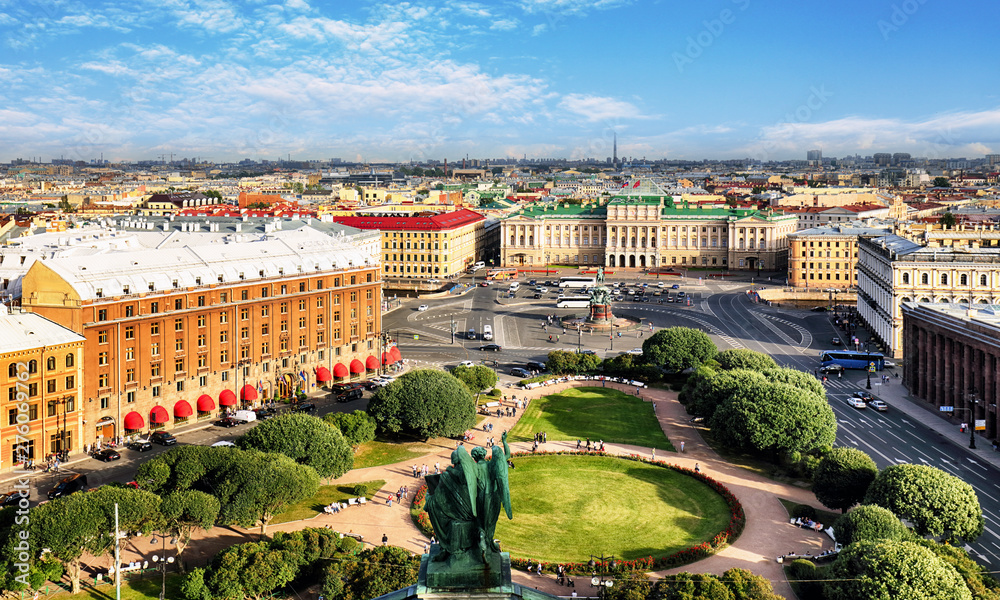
(439, 222)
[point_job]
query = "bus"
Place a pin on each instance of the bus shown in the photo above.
(577, 281)
(573, 302)
(501, 274)
(850, 359)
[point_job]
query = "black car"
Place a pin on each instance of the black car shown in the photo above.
(835, 341)
(11, 499)
(532, 282)
(491, 347)
(228, 422)
(107, 455)
(866, 396)
(834, 368)
(307, 407)
(369, 385)
(537, 296)
(70, 485)
(519, 372)
(818, 309)
(139, 445)
(163, 438)
(347, 395)
(265, 413)
(535, 366)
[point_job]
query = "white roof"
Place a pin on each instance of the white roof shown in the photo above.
(24, 331)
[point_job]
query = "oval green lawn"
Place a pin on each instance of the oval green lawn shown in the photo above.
(568, 507)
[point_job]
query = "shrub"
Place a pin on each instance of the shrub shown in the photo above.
(803, 511)
(361, 490)
(802, 569)
(348, 545)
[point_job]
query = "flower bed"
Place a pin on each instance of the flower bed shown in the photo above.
(420, 517)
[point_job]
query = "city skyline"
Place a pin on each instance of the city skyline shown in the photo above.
(536, 78)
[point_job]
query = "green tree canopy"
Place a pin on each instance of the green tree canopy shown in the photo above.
(741, 358)
(691, 586)
(250, 570)
(746, 586)
(842, 478)
(306, 439)
(374, 572)
(185, 511)
(941, 182)
(426, 403)
(935, 502)
(890, 571)
(711, 391)
(678, 348)
(948, 220)
(869, 523)
(774, 419)
(358, 427)
(799, 379)
(478, 378)
(562, 362)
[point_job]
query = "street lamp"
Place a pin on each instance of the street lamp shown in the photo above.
(601, 580)
(970, 398)
(242, 366)
(63, 451)
(164, 561)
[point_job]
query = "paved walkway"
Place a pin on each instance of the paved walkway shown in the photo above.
(767, 534)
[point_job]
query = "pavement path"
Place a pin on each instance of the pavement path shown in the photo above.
(768, 533)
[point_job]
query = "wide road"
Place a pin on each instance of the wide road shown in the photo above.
(793, 337)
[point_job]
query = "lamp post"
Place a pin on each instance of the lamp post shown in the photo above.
(601, 580)
(868, 369)
(453, 330)
(163, 561)
(62, 451)
(241, 365)
(972, 401)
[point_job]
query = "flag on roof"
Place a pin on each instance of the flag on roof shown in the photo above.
(636, 184)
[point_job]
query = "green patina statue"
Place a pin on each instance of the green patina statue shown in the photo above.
(464, 504)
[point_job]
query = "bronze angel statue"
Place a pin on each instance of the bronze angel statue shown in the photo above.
(464, 503)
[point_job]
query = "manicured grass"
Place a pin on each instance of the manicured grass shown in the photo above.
(597, 413)
(378, 453)
(310, 507)
(567, 507)
(136, 587)
(826, 517)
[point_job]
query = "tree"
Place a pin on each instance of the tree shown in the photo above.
(691, 586)
(935, 502)
(941, 182)
(185, 511)
(948, 220)
(843, 477)
(678, 348)
(774, 419)
(796, 378)
(746, 586)
(374, 572)
(741, 358)
(562, 362)
(629, 585)
(478, 378)
(891, 570)
(869, 523)
(253, 570)
(306, 439)
(424, 402)
(712, 391)
(358, 427)
(979, 581)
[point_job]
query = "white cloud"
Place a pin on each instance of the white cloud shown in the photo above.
(504, 25)
(539, 29)
(598, 108)
(569, 7)
(297, 5)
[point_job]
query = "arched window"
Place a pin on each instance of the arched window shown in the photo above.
(924, 279)
(925, 299)
(32, 366)
(982, 280)
(50, 363)
(12, 370)
(906, 278)
(944, 279)
(904, 299)
(963, 279)
(70, 360)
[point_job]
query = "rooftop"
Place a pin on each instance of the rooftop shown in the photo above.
(417, 222)
(25, 331)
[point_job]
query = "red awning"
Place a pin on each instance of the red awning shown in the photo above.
(248, 393)
(134, 420)
(322, 374)
(357, 366)
(226, 398)
(396, 356)
(386, 357)
(340, 371)
(183, 409)
(206, 404)
(158, 415)
(371, 363)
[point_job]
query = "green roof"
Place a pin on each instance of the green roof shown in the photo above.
(582, 211)
(640, 200)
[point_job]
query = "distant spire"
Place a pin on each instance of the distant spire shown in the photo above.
(615, 160)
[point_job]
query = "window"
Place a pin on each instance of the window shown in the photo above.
(244, 333)
(223, 357)
(201, 301)
(944, 279)
(223, 336)
(154, 370)
(201, 340)
(178, 324)
(106, 402)
(71, 360)
(982, 280)
(906, 278)
(102, 358)
(178, 303)
(924, 279)
(178, 365)
(129, 397)
(202, 381)
(50, 387)
(223, 317)
(201, 320)
(284, 308)
(102, 380)
(130, 333)
(154, 307)
(963, 279)
(50, 363)
(302, 322)
(102, 314)
(244, 295)
(154, 329)
(244, 314)
(319, 303)
(263, 311)
(129, 353)
(130, 375)
(154, 349)
(179, 344)
(102, 336)
(156, 391)
(263, 329)
(128, 310)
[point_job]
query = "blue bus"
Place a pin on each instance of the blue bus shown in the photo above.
(850, 359)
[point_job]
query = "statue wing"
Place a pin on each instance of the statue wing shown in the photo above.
(468, 466)
(498, 474)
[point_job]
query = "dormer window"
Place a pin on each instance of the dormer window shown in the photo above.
(124, 289)
(152, 286)
(175, 284)
(100, 292)
(242, 276)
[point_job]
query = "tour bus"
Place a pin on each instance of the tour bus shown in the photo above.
(850, 359)
(501, 274)
(577, 282)
(573, 302)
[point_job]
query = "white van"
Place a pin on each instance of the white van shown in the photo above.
(488, 333)
(515, 286)
(478, 265)
(245, 415)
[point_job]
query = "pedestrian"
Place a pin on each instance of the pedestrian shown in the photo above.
(578, 443)
(388, 500)
(385, 539)
(682, 446)
(427, 548)
(602, 445)
(539, 569)
(654, 453)
(815, 373)
(696, 468)
(414, 470)
(545, 437)
(437, 468)
(840, 374)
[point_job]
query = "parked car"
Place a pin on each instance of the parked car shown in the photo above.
(818, 309)
(265, 413)
(309, 408)
(69, 485)
(484, 284)
(534, 366)
(228, 422)
(467, 363)
(591, 352)
(888, 364)
(532, 282)
(422, 307)
(660, 284)
(491, 347)
(245, 416)
(164, 438)
(347, 396)
(139, 445)
(223, 444)
(830, 369)
(519, 372)
(470, 334)
(856, 402)
(866, 396)
(879, 405)
(537, 296)
(107, 455)
(675, 287)
(11, 499)
(636, 351)
(835, 341)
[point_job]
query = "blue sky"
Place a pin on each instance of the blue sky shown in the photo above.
(373, 81)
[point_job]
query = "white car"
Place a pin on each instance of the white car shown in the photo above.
(466, 363)
(422, 307)
(856, 402)
(879, 405)
(661, 285)
(636, 351)
(888, 364)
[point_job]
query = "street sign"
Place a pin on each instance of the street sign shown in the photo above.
(980, 424)
(416, 337)
(871, 367)
(947, 409)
